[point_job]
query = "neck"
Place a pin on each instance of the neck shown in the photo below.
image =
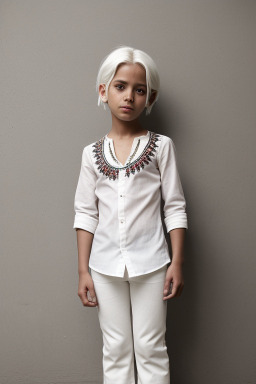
(126, 129)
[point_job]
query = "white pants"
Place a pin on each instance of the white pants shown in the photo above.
(132, 317)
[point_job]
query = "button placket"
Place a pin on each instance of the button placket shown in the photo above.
(121, 209)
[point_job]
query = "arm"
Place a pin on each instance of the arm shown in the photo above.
(85, 223)
(84, 243)
(175, 216)
(174, 274)
(177, 237)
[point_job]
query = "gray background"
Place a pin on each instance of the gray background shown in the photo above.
(50, 55)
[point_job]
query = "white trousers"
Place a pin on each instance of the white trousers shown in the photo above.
(132, 318)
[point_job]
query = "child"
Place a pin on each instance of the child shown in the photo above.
(119, 229)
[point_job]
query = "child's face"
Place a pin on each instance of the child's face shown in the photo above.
(127, 88)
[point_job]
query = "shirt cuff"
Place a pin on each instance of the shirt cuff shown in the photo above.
(84, 222)
(178, 220)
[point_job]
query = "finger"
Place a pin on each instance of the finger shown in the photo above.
(91, 304)
(92, 296)
(88, 303)
(84, 299)
(173, 293)
(167, 287)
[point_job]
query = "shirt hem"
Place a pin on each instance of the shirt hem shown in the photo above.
(139, 274)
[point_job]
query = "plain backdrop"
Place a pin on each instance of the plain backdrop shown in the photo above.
(50, 55)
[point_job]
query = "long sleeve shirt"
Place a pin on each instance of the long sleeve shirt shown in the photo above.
(121, 204)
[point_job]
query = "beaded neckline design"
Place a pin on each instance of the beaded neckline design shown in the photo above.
(137, 165)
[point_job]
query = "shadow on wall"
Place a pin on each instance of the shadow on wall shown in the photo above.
(181, 323)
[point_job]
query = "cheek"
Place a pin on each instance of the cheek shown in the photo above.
(142, 101)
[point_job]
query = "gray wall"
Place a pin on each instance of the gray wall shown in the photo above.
(50, 54)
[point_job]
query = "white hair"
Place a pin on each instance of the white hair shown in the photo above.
(122, 55)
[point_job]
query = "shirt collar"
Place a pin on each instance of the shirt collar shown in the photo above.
(135, 138)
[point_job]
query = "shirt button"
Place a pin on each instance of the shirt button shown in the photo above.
(122, 221)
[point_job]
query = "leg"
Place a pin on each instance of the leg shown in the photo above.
(149, 327)
(114, 312)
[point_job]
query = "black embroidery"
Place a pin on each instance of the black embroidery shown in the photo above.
(112, 172)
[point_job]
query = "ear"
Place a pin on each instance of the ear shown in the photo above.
(152, 98)
(102, 93)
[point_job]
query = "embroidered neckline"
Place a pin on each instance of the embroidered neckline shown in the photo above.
(138, 164)
(129, 158)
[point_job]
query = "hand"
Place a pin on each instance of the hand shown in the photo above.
(174, 276)
(85, 287)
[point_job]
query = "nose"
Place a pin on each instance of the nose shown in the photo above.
(129, 96)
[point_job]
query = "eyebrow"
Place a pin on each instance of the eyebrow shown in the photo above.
(125, 82)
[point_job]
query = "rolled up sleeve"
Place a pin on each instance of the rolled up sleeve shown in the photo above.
(175, 215)
(86, 201)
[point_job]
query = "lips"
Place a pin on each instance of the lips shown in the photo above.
(127, 107)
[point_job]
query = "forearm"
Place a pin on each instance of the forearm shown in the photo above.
(84, 244)
(177, 237)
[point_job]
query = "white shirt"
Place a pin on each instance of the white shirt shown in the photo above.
(121, 204)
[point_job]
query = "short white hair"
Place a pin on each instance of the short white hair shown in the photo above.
(122, 55)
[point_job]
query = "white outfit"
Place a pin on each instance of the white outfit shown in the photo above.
(120, 204)
(132, 317)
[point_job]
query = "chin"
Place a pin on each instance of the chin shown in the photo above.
(126, 117)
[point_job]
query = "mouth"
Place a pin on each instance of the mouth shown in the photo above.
(126, 108)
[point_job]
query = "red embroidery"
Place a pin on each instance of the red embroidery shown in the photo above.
(137, 165)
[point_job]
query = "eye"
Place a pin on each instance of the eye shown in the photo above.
(142, 91)
(119, 85)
